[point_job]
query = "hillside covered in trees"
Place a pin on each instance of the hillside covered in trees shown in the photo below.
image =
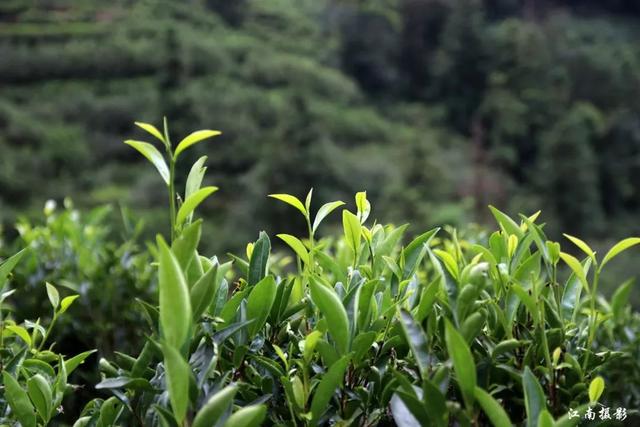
(435, 107)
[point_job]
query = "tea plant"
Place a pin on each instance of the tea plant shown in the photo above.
(361, 329)
(34, 376)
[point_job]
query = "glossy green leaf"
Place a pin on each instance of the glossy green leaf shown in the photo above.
(619, 247)
(297, 246)
(463, 363)
(334, 312)
(545, 419)
(259, 259)
(178, 373)
(596, 387)
(195, 177)
(417, 341)
(72, 363)
(492, 408)
(212, 411)
(66, 303)
(8, 265)
(249, 416)
(363, 206)
(175, 303)
(352, 231)
(259, 304)
(204, 291)
(21, 332)
(153, 155)
(534, 397)
(620, 300)
(54, 296)
(18, 400)
(151, 129)
(506, 223)
(41, 396)
(185, 245)
(577, 268)
(325, 390)
(291, 200)
(583, 246)
(194, 138)
(192, 202)
(324, 211)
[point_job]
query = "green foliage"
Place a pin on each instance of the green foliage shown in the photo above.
(365, 331)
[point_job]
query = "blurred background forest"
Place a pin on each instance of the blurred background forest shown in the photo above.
(436, 107)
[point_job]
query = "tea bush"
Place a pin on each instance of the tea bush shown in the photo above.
(506, 328)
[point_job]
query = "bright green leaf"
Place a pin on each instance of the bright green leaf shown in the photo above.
(192, 202)
(18, 400)
(178, 373)
(619, 247)
(291, 200)
(296, 245)
(216, 406)
(325, 210)
(596, 387)
(249, 416)
(175, 304)
(153, 155)
(492, 408)
(463, 363)
(194, 138)
(331, 307)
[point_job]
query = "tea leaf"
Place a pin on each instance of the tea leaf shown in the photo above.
(175, 304)
(192, 202)
(331, 307)
(153, 155)
(259, 304)
(583, 246)
(19, 401)
(291, 200)
(41, 396)
(620, 299)
(21, 332)
(54, 296)
(194, 138)
(463, 363)
(352, 231)
(72, 363)
(417, 341)
(534, 398)
(259, 259)
(178, 373)
(363, 205)
(250, 416)
(506, 223)
(325, 210)
(619, 247)
(66, 303)
(326, 388)
(195, 177)
(577, 269)
(216, 406)
(545, 419)
(596, 387)
(7, 267)
(204, 291)
(297, 246)
(152, 130)
(492, 408)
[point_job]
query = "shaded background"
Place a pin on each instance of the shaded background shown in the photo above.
(436, 107)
